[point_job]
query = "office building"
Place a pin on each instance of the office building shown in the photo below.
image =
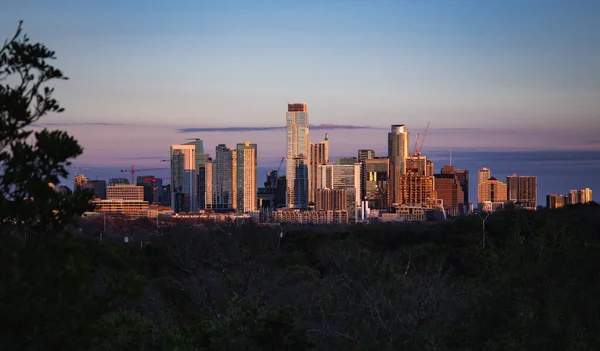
(224, 179)
(318, 155)
(363, 155)
(491, 190)
(183, 178)
(297, 155)
(463, 179)
(376, 175)
(522, 190)
(397, 153)
(247, 186)
(272, 196)
(287, 215)
(450, 191)
(125, 192)
(147, 182)
(97, 186)
(483, 175)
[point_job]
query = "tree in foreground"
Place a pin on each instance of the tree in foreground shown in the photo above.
(31, 162)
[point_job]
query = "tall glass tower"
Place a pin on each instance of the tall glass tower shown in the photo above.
(297, 154)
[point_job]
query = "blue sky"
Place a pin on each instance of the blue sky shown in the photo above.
(457, 63)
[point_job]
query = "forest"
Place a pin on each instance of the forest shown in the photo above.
(529, 282)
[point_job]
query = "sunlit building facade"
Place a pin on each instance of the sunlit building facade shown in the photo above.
(297, 156)
(247, 186)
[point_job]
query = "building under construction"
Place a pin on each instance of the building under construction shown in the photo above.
(416, 190)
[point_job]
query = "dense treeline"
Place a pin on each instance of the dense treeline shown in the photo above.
(415, 287)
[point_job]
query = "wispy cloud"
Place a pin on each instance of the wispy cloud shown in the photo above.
(262, 129)
(67, 124)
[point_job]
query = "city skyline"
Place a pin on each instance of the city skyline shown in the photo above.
(487, 66)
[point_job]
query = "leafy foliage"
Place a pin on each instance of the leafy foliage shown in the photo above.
(30, 162)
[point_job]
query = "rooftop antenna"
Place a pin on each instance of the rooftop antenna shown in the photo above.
(450, 157)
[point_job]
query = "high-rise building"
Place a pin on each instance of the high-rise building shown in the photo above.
(225, 178)
(574, 197)
(297, 156)
(414, 189)
(98, 187)
(429, 168)
(492, 190)
(247, 186)
(318, 155)
(79, 182)
(183, 178)
(556, 201)
(483, 175)
(199, 163)
(343, 177)
(417, 164)
(522, 190)
(463, 178)
(330, 199)
(397, 153)
(363, 155)
(450, 191)
(585, 195)
(148, 183)
(205, 184)
(376, 175)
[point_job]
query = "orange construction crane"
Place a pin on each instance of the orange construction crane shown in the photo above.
(418, 151)
(133, 171)
(154, 179)
(75, 169)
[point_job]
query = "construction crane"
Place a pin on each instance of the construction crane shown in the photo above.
(277, 176)
(133, 171)
(75, 169)
(154, 179)
(416, 157)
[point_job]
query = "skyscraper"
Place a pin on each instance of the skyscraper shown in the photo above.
(585, 195)
(199, 163)
(522, 190)
(397, 153)
(363, 155)
(318, 155)
(224, 178)
(449, 190)
(297, 155)
(492, 190)
(205, 184)
(183, 178)
(247, 187)
(483, 175)
(343, 177)
(376, 177)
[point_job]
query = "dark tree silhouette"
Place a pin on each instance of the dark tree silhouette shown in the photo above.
(31, 161)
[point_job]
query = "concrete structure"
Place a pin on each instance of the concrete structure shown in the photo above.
(318, 155)
(522, 190)
(296, 216)
(297, 153)
(247, 186)
(183, 178)
(397, 153)
(224, 179)
(491, 190)
(376, 175)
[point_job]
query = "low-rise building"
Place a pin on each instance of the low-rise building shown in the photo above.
(296, 216)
